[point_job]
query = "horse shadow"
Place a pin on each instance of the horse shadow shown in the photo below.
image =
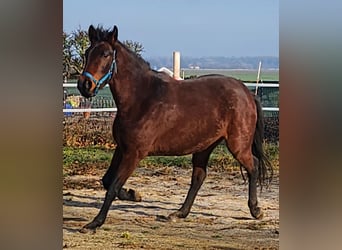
(143, 208)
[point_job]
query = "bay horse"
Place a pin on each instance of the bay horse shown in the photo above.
(158, 115)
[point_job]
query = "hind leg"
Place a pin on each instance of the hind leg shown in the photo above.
(243, 154)
(199, 173)
(253, 174)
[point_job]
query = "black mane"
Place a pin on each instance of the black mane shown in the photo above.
(139, 57)
(103, 35)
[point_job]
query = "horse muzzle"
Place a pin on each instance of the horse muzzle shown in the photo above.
(84, 85)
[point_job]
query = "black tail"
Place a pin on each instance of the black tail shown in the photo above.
(265, 166)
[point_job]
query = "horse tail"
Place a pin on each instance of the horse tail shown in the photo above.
(265, 167)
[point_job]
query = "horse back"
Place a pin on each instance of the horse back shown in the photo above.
(213, 92)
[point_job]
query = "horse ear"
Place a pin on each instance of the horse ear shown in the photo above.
(114, 35)
(92, 34)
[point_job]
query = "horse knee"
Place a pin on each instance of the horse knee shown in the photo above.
(198, 175)
(106, 181)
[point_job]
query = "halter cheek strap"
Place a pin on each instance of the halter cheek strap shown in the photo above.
(104, 78)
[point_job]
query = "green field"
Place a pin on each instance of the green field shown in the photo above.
(244, 75)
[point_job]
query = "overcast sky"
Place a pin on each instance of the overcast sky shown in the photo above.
(193, 27)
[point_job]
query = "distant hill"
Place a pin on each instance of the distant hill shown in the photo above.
(216, 62)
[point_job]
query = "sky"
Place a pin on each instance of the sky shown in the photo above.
(229, 28)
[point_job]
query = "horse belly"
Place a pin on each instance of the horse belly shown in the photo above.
(186, 140)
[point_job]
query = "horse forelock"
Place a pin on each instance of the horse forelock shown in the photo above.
(102, 34)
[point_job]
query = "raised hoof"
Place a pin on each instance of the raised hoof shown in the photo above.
(129, 195)
(257, 213)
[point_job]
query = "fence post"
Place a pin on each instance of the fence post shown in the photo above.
(176, 65)
(258, 77)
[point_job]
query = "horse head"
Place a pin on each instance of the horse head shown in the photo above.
(100, 64)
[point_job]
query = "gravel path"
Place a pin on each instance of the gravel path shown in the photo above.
(219, 218)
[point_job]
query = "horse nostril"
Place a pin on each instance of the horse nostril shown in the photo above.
(87, 84)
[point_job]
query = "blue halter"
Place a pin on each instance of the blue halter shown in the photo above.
(103, 78)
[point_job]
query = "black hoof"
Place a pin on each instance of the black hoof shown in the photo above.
(257, 213)
(176, 215)
(90, 227)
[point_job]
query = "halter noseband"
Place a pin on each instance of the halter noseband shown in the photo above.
(104, 78)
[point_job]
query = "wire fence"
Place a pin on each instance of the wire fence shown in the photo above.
(103, 103)
(89, 121)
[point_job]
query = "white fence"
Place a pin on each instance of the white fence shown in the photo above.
(113, 109)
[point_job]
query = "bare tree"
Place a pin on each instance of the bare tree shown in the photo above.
(66, 55)
(134, 46)
(80, 43)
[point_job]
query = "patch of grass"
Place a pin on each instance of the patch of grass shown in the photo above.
(220, 159)
(167, 161)
(72, 155)
(272, 152)
(125, 235)
(127, 240)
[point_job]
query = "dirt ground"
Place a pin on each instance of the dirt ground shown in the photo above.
(219, 218)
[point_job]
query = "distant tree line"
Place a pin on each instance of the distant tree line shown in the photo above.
(75, 44)
(217, 62)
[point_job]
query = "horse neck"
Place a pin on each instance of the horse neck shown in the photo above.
(129, 83)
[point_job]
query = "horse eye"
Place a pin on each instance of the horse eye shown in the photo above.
(106, 54)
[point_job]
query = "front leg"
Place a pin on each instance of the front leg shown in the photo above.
(101, 216)
(107, 179)
(123, 171)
